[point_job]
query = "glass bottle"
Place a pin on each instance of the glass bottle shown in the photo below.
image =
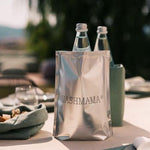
(102, 41)
(81, 42)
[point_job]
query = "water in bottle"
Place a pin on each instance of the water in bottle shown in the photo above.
(102, 41)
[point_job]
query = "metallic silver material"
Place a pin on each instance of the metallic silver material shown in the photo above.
(82, 108)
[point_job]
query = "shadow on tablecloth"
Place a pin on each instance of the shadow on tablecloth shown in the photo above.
(121, 136)
(41, 137)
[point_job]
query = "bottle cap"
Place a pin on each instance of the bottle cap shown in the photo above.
(102, 29)
(81, 27)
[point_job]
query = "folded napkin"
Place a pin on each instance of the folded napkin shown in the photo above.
(142, 143)
(127, 147)
(139, 143)
(137, 87)
(24, 125)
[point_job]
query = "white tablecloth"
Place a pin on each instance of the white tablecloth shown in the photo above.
(136, 123)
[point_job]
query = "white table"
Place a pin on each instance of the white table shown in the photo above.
(136, 123)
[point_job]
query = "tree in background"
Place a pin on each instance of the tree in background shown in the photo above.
(126, 22)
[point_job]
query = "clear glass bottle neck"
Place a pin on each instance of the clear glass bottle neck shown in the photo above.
(81, 42)
(81, 34)
(101, 42)
(102, 35)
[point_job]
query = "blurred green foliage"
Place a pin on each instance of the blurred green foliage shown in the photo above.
(39, 39)
(126, 21)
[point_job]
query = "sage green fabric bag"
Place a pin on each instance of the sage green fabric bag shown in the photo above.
(24, 125)
(117, 94)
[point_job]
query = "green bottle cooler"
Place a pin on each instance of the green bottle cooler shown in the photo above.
(117, 94)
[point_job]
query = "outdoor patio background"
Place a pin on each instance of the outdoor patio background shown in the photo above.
(51, 26)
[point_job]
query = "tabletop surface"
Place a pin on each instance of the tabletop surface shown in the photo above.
(136, 123)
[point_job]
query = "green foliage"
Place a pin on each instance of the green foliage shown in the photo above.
(125, 21)
(40, 39)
